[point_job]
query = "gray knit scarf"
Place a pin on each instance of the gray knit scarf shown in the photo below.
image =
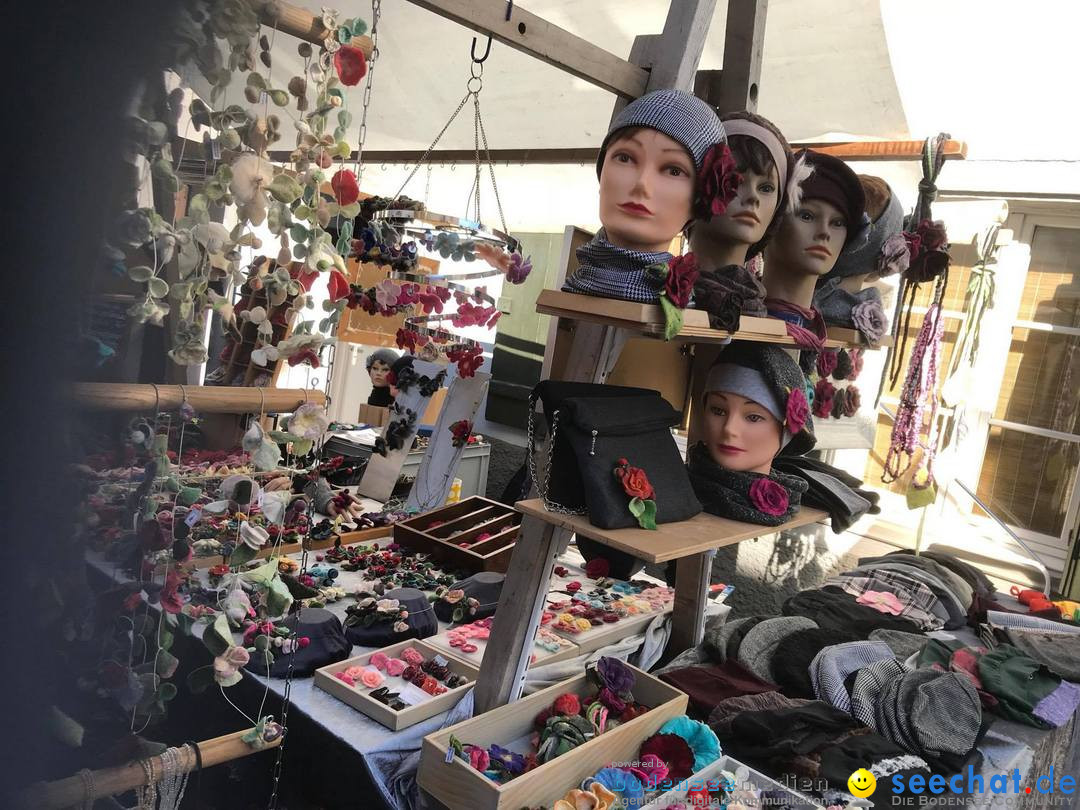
(726, 493)
(614, 272)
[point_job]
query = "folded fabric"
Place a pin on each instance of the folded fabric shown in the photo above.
(979, 582)
(1004, 620)
(709, 684)
(1057, 708)
(728, 708)
(760, 644)
(728, 292)
(1058, 652)
(830, 669)
(917, 601)
(930, 713)
(903, 645)
(868, 685)
(955, 582)
(614, 272)
(1020, 684)
(844, 502)
(791, 663)
(833, 609)
(948, 607)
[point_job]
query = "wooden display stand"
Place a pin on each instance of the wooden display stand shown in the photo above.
(472, 517)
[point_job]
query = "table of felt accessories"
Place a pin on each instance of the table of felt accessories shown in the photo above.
(326, 735)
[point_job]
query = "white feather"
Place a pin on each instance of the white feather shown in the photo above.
(799, 173)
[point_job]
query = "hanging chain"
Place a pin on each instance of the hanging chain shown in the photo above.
(431, 148)
(530, 455)
(491, 167)
(279, 763)
(477, 71)
(376, 11)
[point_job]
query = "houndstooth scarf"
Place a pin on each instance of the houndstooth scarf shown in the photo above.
(614, 272)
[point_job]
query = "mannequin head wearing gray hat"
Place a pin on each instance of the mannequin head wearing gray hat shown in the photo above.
(379, 363)
(810, 238)
(648, 166)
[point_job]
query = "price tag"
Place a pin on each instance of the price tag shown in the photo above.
(193, 517)
(449, 755)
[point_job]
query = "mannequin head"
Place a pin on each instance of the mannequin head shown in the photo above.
(763, 158)
(648, 165)
(379, 364)
(741, 433)
(646, 189)
(811, 237)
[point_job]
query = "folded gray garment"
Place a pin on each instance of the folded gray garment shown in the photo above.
(1058, 652)
(836, 304)
(947, 607)
(904, 645)
(955, 582)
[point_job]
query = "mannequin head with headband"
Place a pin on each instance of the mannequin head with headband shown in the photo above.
(763, 159)
(755, 405)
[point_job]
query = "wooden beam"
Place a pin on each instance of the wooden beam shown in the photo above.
(302, 24)
(884, 150)
(744, 44)
(677, 51)
(535, 36)
(208, 399)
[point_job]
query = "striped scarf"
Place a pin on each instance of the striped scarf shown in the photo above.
(614, 272)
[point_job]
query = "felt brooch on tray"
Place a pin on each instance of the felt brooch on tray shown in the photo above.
(642, 496)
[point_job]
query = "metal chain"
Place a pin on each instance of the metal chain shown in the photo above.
(431, 148)
(279, 763)
(477, 71)
(491, 168)
(542, 488)
(376, 12)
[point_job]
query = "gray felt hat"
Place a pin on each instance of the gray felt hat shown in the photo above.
(757, 649)
(860, 254)
(681, 116)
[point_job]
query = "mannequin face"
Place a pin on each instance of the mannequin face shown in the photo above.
(741, 435)
(378, 372)
(749, 214)
(646, 190)
(810, 240)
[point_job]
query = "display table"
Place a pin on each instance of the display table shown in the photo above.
(544, 535)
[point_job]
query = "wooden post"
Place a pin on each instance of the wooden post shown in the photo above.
(302, 24)
(502, 670)
(208, 399)
(744, 44)
(692, 578)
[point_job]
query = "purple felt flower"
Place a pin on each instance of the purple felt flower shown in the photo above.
(520, 267)
(615, 675)
(870, 320)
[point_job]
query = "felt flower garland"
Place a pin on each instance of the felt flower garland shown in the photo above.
(635, 483)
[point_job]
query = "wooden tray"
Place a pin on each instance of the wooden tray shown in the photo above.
(472, 517)
(542, 656)
(357, 696)
(745, 778)
(457, 785)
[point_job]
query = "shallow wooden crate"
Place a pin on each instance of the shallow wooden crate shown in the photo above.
(541, 656)
(357, 697)
(746, 778)
(457, 785)
(472, 517)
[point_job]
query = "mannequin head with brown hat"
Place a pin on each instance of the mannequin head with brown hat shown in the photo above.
(810, 238)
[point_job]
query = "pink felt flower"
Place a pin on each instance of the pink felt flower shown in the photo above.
(346, 189)
(378, 660)
(387, 293)
(344, 678)
(479, 758)
(371, 678)
(769, 497)
(350, 64)
(395, 666)
(798, 411)
(412, 657)
(882, 601)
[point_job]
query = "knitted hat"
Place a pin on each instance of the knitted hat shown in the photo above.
(679, 115)
(837, 305)
(484, 587)
(757, 649)
(791, 663)
(932, 712)
(835, 183)
(722, 641)
(869, 683)
(326, 645)
(387, 356)
(860, 255)
(903, 645)
(770, 377)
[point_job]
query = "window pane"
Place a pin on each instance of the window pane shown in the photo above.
(1041, 386)
(1052, 290)
(1027, 480)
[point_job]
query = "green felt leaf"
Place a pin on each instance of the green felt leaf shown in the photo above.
(637, 507)
(263, 575)
(262, 643)
(255, 80)
(344, 118)
(278, 598)
(918, 497)
(158, 287)
(167, 692)
(285, 189)
(166, 664)
(231, 680)
(166, 637)
(302, 447)
(673, 318)
(302, 212)
(218, 637)
(351, 210)
(299, 233)
(140, 273)
(242, 554)
(647, 520)
(279, 97)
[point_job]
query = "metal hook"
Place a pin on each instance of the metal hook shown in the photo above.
(487, 51)
(509, 9)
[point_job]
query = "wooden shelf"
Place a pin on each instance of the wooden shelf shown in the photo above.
(670, 541)
(648, 320)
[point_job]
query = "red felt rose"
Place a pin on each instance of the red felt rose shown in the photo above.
(597, 567)
(824, 392)
(567, 704)
(634, 481)
(856, 356)
(673, 750)
(346, 190)
(351, 65)
(339, 286)
(769, 497)
(305, 356)
(798, 411)
(826, 362)
(682, 273)
(718, 182)
(932, 235)
(852, 400)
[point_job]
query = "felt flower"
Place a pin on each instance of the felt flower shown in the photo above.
(870, 320)
(597, 567)
(346, 189)
(251, 174)
(503, 759)
(826, 362)
(702, 739)
(856, 356)
(338, 285)
(929, 251)
(520, 267)
(567, 704)
(881, 601)
(371, 678)
(769, 497)
(623, 784)
(682, 273)
(350, 64)
(493, 255)
(454, 596)
(797, 411)
(607, 697)
(672, 750)
(309, 421)
(615, 675)
(227, 665)
(895, 256)
(852, 400)
(823, 398)
(461, 430)
(479, 758)
(718, 182)
(169, 598)
(635, 483)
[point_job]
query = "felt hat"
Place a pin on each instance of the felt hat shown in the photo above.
(904, 645)
(722, 641)
(835, 183)
(326, 645)
(770, 377)
(475, 597)
(421, 621)
(837, 307)
(387, 356)
(681, 116)
(861, 253)
(831, 667)
(932, 712)
(794, 655)
(757, 649)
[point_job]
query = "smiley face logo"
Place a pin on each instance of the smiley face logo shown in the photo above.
(862, 783)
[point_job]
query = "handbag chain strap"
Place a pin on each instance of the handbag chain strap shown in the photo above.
(542, 485)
